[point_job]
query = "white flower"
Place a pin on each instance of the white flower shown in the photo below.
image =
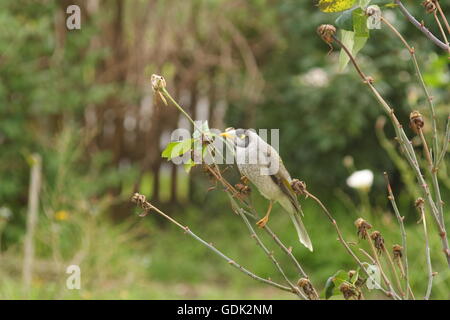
(316, 77)
(362, 179)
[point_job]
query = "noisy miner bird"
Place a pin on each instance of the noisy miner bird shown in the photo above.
(262, 165)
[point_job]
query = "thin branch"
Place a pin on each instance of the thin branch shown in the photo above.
(140, 200)
(420, 206)
(407, 148)
(402, 231)
(389, 293)
(438, 6)
(421, 27)
(269, 254)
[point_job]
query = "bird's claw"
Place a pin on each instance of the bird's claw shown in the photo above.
(262, 223)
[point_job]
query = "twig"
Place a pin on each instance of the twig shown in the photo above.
(407, 148)
(438, 6)
(420, 206)
(269, 254)
(444, 36)
(380, 267)
(421, 27)
(422, 83)
(445, 144)
(140, 200)
(402, 231)
(389, 293)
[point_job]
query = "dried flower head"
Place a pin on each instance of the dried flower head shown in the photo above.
(362, 226)
(349, 291)
(397, 251)
(298, 186)
(243, 189)
(158, 85)
(140, 200)
(416, 121)
(308, 288)
(429, 6)
(378, 241)
(327, 32)
(419, 202)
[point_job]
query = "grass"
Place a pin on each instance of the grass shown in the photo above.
(145, 258)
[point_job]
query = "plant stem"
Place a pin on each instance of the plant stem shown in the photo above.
(148, 207)
(421, 27)
(408, 150)
(427, 251)
(438, 6)
(378, 263)
(441, 29)
(269, 254)
(389, 293)
(403, 233)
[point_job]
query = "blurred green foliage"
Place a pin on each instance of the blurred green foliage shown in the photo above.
(47, 91)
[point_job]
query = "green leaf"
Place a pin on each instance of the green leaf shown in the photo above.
(329, 288)
(363, 3)
(348, 40)
(177, 148)
(353, 43)
(335, 5)
(188, 165)
(345, 20)
(359, 20)
(333, 283)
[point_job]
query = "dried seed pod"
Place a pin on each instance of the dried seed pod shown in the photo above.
(349, 291)
(429, 6)
(419, 202)
(140, 200)
(362, 226)
(298, 186)
(397, 251)
(158, 82)
(416, 121)
(243, 189)
(378, 241)
(308, 288)
(327, 32)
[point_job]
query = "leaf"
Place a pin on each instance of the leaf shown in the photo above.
(177, 148)
(188, 165)
(348, 40)
(335, 5)
(333, 283)
(345, 20)
(359, 20)
(363, 3)
(353, 43)
(329, 288)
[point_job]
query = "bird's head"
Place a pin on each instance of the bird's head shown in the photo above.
(239, 137)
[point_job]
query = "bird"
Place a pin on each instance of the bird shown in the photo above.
(261, 164)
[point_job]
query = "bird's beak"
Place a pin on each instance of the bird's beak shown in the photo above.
(226, 135)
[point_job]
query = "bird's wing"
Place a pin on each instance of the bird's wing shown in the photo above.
(282, 177)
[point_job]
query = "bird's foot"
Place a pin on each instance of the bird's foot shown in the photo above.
(262, 223)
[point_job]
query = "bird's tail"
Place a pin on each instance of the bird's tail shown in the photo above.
(301, 230)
